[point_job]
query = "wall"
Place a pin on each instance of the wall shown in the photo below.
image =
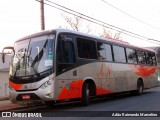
(4, 74)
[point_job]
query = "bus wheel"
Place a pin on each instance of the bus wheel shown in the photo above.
(140, 87)
(49, 103)
(85, 94)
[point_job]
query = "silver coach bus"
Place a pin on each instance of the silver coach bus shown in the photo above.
(60, 65)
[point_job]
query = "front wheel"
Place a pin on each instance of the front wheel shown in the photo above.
(85, 94)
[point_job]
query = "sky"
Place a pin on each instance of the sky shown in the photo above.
(22, 17)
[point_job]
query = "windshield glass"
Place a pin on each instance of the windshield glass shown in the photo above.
(33, 56)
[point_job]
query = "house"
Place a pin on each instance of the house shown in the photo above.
(4, 74)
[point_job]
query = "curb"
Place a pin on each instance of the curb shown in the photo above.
(13, 108)
(18, 108)
(4, 98)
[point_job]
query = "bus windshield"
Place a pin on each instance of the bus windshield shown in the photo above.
(33, 56)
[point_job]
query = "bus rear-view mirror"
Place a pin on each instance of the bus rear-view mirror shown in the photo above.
(3, 52)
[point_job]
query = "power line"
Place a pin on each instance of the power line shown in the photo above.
(130, 15)
(98, 22)
(102, 22)
(95, 19)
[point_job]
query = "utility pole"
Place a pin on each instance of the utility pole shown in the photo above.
(42, 15)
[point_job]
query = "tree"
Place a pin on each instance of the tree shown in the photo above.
(78, 24)
(75, 23)
(108, 34)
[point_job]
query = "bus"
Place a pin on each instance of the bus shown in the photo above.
(60, 65)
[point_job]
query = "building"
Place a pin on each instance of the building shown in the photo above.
(4, 74)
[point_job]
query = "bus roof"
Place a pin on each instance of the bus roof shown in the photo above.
(109, 40)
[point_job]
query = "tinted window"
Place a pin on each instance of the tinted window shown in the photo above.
(154, 58)
(65, 53)
(141, 57)
(104, 51)
(86, 48)
(119, 54)
(149, 60)
(131, 55)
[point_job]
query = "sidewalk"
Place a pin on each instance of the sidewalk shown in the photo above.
(7, 105)
(4, 98)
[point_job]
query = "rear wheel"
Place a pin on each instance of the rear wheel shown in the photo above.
(85, 94)
(140, 87)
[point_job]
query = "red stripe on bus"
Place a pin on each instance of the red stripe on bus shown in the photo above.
(105, 71)
(15, 86)
(73, 90)
(144, 71)
(101, 91)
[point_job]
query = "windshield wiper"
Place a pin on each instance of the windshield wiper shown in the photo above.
(38, 58)
(39, 55)
(36, 73)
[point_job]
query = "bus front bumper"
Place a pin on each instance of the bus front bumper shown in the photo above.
(46, 94)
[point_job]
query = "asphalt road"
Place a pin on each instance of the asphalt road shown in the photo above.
(100, 108)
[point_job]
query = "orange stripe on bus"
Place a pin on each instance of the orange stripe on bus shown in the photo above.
(15, 86)
(101, 91)
(74, 90)
(105, 71)
(144, 71)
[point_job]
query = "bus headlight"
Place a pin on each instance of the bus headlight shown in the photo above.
(46, 84)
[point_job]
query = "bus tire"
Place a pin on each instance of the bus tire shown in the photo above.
(140, 87)
(139, 90)
(85, 94)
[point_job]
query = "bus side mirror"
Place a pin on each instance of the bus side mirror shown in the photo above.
(3, 57)
(3, 53)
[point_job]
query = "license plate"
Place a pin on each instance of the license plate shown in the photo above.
(25, 97)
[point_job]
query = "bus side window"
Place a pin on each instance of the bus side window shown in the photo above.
(86, 48)
(149, 60)
(154, 58)
(65, 54)
(131, 56)
(119, 54)
(69, 56)
(141, 57)
(104, 51)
